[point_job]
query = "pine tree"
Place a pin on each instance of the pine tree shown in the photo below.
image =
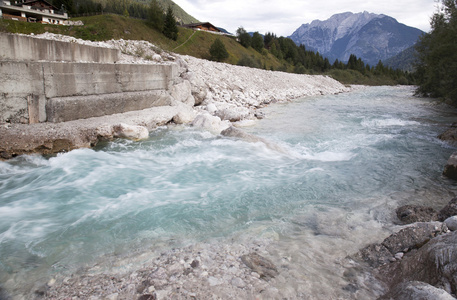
(155, 15)
(437, 67)
(170, 29)
(243, 37)
(218, 51)
(257, 42)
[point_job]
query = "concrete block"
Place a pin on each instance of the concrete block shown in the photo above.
(81, 107)
(20, 83)
(19, 47)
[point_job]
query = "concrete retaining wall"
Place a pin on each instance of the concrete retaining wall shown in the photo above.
(19, 47)
(33, 92)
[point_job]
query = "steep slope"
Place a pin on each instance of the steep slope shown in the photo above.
(179, 13)
(371, 37)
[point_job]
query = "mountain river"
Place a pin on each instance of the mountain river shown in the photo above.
(347, 162)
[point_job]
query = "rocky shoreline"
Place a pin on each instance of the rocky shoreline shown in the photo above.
(417, 262)
(213, 93)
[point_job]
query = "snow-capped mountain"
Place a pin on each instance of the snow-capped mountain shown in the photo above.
(369, 36)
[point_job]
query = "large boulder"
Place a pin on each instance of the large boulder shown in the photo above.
(396, 245)
(408, 214)
(449, 210)
(415, 290)
(132, 132)
(435, 263)
(182, 92)
(450, 135)
(211, 123)
(450, 169)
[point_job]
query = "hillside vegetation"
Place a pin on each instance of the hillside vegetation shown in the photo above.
(437, 55)
(198, 43)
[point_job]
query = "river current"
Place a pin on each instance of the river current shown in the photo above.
(348, 161)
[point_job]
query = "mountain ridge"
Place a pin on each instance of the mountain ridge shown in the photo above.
(369, 36)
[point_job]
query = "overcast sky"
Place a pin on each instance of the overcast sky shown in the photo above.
(283, 17)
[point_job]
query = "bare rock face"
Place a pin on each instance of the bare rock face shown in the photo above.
(450, 169)
(435, 263)
(449, 210)
(408, 214)
(413, 290)
(261, 265)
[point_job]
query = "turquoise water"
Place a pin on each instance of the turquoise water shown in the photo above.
(349, 160)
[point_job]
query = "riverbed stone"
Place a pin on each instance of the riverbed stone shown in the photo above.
(413, 236)
(408, 214)
(451, 223)
(414, 290)
(450, 135)
(449, 210)
(261, 265)
(435, 263)
(133, 132)
(450, 169)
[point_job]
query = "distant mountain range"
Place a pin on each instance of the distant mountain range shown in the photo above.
(369, 36)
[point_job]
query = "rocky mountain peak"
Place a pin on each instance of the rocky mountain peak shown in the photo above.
(367, 35)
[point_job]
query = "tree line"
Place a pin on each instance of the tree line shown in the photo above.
(436, 68)
(307, 61)
(153, 13)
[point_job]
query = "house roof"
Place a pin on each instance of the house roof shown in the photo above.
(208, 24)
(29, 2)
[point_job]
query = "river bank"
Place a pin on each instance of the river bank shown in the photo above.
(225, 92)
(294, 232)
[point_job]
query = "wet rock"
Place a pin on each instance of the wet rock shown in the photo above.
(449, 210)
(435, 263)
(413, 236)
(450, 169)
(450, 135)
(211, 123)
(408, 214)
(185, 115)
(132, 132)
(238, 133)
(261, 265)
(375, 255)
(451, 223)
(413, 290)
(195, 264)
(148, 297)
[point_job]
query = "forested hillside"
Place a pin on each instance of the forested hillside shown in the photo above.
(437, 62)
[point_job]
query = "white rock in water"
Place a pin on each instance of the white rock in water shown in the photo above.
(451, 223)
(132, 132)
(399, 255)
(185, 115)
(211, 123)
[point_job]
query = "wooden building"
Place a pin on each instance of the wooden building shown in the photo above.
(40, 11)
(206, 26)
